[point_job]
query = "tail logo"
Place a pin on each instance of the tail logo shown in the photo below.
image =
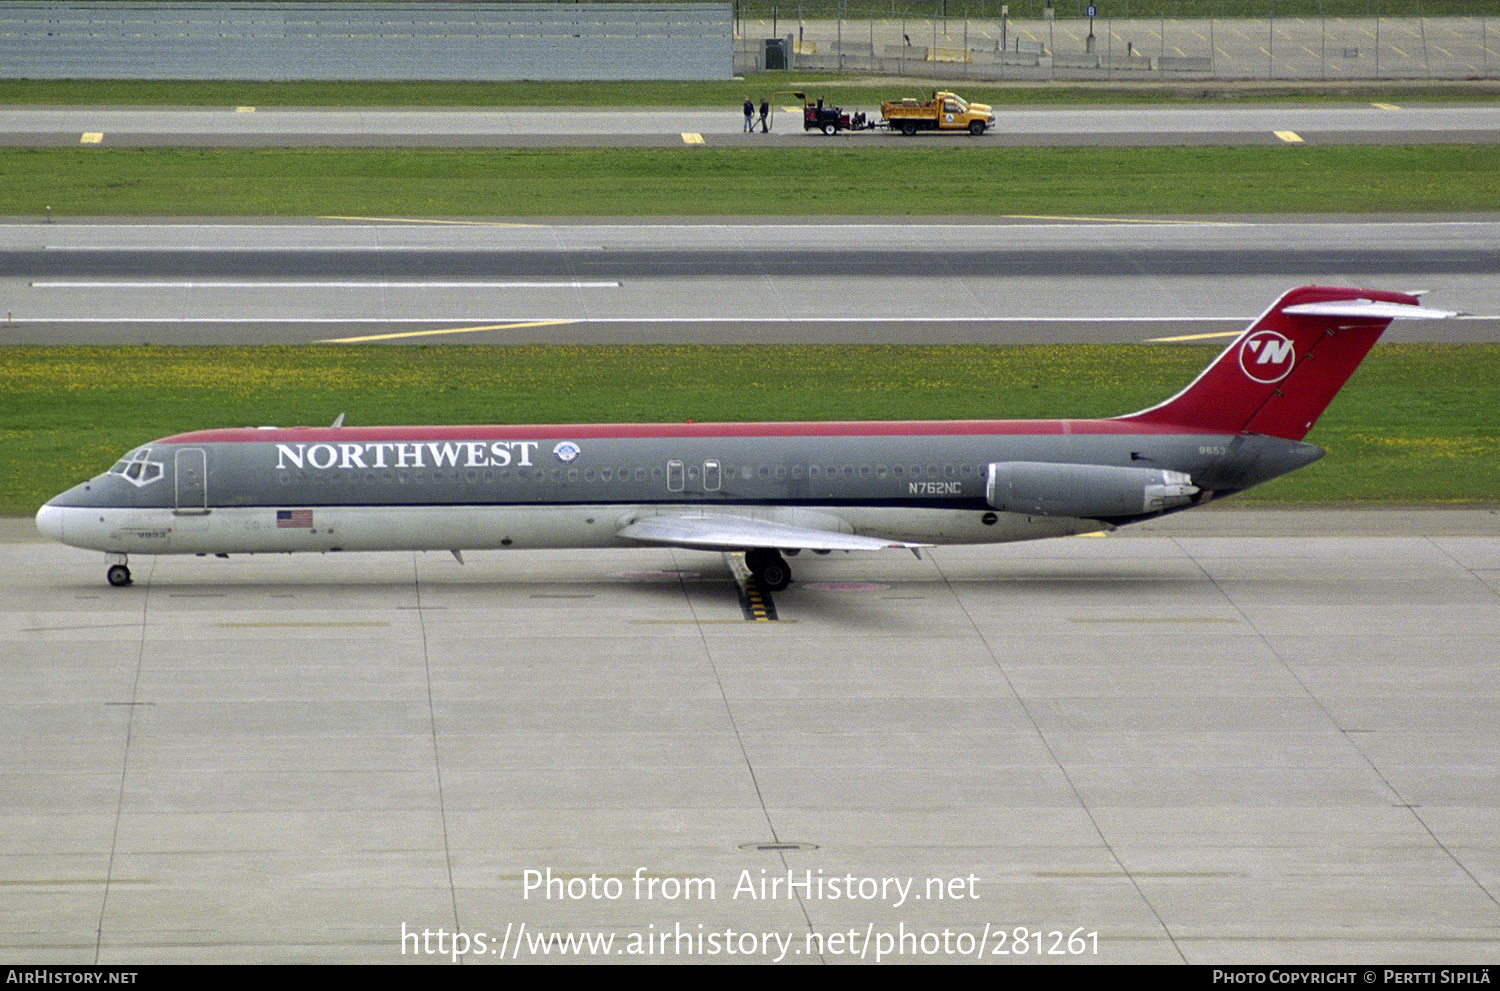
(1267, 357)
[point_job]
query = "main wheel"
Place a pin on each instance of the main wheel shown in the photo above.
(774, 575)
(118, 575)
(769, 569)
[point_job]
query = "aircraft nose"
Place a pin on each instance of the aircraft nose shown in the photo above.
(49, 522)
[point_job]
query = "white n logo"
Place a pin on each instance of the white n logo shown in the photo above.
(1267, 356)
(1274, 352)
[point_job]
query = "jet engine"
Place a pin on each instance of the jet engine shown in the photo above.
(1039, 488)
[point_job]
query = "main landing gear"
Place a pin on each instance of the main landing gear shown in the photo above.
(118, 573)
(769, 569)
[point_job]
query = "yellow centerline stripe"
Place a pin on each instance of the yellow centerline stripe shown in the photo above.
(1193, 337)
(447, 330)
(1117, 220)
(429, 220)
(1290, 137)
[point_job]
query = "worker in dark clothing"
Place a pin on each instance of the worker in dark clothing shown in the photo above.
(765, 110)
(749, 116)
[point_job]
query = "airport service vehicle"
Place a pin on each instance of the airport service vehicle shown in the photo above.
(761, 489)
(829, 120)
(944, 112)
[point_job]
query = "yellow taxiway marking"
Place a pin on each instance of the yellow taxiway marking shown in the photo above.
(1150, 619)
(1385, 106)
(705, 622)
(244, 110)
(1116, 220)
(340, 625)
(1193, 337)
(428, 220)
(446, 330)
(91, 137)
(689, 138)
(1290, 137)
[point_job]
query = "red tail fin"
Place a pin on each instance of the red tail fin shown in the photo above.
(1280, 374)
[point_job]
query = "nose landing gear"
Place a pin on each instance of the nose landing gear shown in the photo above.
(118, 573)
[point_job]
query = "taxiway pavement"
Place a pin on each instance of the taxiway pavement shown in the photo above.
(1231, 736)
(1356, 123)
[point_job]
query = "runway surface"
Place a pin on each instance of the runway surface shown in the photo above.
(1231, 736)
(1004, 280)
(244, 127)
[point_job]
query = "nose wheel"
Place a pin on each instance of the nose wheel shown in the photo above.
(118, 573)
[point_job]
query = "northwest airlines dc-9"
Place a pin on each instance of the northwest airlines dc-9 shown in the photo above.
(762, 489)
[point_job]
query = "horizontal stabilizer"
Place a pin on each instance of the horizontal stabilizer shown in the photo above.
(714, 531)
(1368, 308)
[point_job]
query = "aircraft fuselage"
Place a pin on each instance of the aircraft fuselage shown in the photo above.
(463, 488)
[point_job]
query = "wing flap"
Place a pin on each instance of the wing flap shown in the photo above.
(716, 531)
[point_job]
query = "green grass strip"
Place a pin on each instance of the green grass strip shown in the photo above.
(935, 176)
(1415, 423)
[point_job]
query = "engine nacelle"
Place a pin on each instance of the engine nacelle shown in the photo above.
(1039, 488)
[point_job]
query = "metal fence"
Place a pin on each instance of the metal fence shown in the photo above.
(270, 41)
(1331, 48)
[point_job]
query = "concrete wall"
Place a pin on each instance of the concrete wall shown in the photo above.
(269, 41)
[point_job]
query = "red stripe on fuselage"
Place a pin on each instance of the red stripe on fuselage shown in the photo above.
(635, 431)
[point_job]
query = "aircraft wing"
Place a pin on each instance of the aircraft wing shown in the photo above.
(715, 531)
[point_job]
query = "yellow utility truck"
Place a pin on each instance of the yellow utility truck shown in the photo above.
(944, 112)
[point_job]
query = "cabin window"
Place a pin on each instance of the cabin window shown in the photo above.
(675, 476)
(711, 476)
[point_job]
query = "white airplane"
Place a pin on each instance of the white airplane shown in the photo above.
(761, 489)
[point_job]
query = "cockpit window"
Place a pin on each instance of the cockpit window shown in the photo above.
(138, 469)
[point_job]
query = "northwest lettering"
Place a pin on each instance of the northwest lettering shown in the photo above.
(407, 454)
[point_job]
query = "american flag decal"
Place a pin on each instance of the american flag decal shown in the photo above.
(294, 519)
